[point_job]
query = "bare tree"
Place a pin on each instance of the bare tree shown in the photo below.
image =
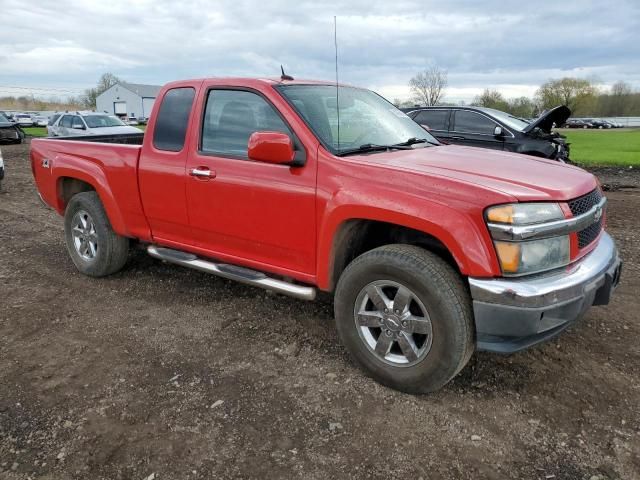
(106, 81)
(428, 86)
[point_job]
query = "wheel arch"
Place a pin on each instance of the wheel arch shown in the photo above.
(359, 235)
(70, 182)
(454, 236)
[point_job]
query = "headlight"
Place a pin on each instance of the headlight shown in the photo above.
(520, 258)
(525, 213)
(529, 256)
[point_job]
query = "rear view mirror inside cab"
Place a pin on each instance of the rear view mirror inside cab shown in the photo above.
(344, 100)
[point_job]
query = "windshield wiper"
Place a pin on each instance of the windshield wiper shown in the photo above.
(372, 147)
(413, 141)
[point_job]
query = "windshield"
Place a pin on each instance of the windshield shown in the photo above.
(3, 119)
(99, 121)
(509, 120)
(365, 117)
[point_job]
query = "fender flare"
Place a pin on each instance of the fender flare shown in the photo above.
(93, 175)
(469, 246)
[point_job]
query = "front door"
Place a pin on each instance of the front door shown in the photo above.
(257, 213)
(474, 130)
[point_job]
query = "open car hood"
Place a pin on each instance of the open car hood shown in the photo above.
(544, 122)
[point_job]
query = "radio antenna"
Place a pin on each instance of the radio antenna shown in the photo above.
(335, 43)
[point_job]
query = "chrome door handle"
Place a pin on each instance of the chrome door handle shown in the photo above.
(202, 172)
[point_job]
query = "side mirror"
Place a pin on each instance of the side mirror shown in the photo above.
(81, 127)
(497, 132)
(271, 147)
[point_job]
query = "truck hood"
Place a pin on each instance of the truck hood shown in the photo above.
(544, 122)
(522, 177)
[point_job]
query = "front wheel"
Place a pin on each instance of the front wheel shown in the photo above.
(405, 316)
(96, 250)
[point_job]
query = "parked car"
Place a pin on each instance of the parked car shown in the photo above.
(597, 123)
(10, 132)
(142, 120)
(1, 170)
(24, 120)
(50, 124)
(131, 120)
(7, 115)
(490, 128)
(92, 123)
(577, 123)
(431, 250)
(40, 120)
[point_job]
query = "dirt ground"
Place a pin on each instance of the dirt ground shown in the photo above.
(160, 372)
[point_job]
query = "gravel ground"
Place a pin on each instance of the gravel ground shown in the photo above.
(160, 372)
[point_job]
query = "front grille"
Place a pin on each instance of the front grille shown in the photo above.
(582, 205)
(589, 234)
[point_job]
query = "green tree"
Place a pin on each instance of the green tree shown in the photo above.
(522, 107)
(578, 94)
(491, 99)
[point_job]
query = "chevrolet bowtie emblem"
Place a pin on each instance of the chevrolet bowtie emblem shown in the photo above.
(598, 214)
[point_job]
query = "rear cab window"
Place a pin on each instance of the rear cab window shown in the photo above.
(173, 119)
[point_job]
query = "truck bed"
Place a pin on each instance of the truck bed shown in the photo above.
(108, 164)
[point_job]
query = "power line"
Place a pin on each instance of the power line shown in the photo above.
(9, 88)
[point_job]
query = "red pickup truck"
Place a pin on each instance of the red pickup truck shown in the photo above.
(431, 250)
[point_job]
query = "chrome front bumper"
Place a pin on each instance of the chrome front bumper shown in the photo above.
(513, 314)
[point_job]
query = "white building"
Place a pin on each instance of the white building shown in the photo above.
(128, 100)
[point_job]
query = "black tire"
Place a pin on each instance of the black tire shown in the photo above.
(440, 289)
(112, 249)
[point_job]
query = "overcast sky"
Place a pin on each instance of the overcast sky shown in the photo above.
(65, 45)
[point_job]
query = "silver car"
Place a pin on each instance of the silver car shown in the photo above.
(40, 120)
(24, 119)
(76, 124)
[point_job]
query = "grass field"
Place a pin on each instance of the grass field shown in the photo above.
(35, 131)
(620, 147)
(605, 147)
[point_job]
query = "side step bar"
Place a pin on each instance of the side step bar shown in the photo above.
(232, 272)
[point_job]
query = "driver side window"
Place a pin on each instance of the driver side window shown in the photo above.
(471, 122)
(231, 116)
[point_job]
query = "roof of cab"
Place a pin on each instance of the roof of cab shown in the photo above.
(247, 82)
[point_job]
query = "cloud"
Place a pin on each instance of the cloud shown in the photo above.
(381, 44)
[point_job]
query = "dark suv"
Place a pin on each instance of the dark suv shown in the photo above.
(489, 128)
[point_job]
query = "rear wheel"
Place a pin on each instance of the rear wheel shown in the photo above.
(96, 250)
(405, 316)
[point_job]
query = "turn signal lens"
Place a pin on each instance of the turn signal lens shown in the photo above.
(501, 214)
(509, 256)
(524, 213)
